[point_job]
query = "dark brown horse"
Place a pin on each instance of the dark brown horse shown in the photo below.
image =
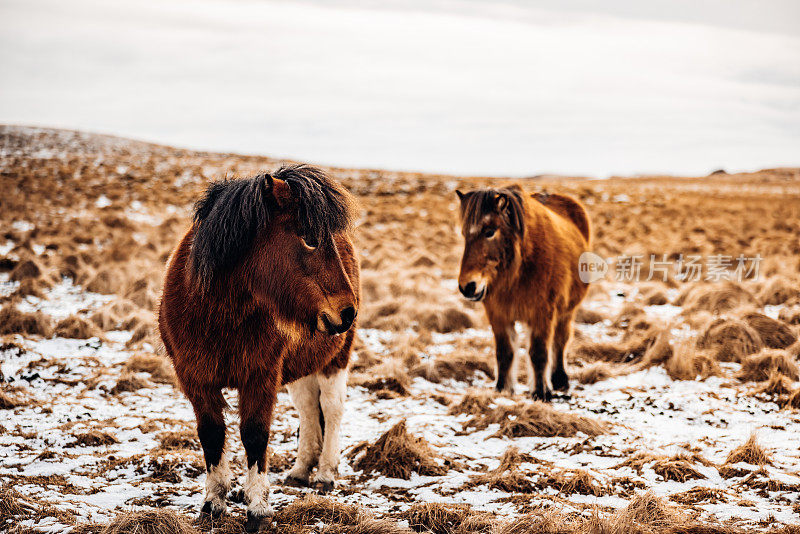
(263, 290)
(521, 259)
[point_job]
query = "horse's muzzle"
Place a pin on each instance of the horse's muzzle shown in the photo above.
(326, 323)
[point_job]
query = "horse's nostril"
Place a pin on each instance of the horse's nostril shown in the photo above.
(468, 290)
(348, 315)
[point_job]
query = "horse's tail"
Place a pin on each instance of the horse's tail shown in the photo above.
(570, 209)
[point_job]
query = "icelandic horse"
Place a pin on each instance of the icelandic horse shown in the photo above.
(521, 256)
(263, 291)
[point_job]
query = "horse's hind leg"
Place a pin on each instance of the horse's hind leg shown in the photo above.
(305, 394)
(256, 402)
(332, 395)
(561, 337)
(208, 407)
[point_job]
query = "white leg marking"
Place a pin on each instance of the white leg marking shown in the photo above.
(305, 397)
(333, 392)
(256, 492)
(218, 483)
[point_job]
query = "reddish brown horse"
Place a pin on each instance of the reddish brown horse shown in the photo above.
(264, 290)
(521, 258)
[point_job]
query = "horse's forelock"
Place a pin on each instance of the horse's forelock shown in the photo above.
(323, 207)
(477, 204)
(230, 214)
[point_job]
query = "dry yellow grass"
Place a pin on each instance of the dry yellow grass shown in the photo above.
(397, 453)
(730, 339)
(535, 419)
(409, 261)
(76, 327)
(687, 362)
(761, 366)
(750, 452)
(13, 321)
(438, 518)
(156, 521)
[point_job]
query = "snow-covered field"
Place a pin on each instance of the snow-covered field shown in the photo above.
(71, 381)
(684, 391)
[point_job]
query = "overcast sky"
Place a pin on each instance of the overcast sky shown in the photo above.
(464, 86)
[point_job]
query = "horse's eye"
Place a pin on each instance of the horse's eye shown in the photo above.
(488, 233)
(309, 242)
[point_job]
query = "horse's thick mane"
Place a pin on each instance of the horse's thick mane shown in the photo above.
(230, 214)
(483, 201)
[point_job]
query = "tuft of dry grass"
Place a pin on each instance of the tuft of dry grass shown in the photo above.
(506, 476)
(127, 383)
(594, 372)
(169, 468)
(716, 298)
(31, 287)
(779, 290)
(760, 479)
(13, 321)
(9, 401)
(459, 366)
(648, 509)
(437, 518)
(793, 400)
(94, 438)
(750, 452)
(389, 378)
(13, 506)
(76, 327)
(632, 348)
(677, 469)
(689, 363)
(397, 454)
(160, 368)
(645, 514)
(474, 402)
(761, 366)
(774, 334)
(180, 439)
(26, 269)
(535, 419)
(777, 385)
(699, 495)
(448, 319)
(730, 339)
(154, 521)
(312, 509)
(572, 481)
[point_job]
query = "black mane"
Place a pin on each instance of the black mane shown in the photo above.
(481, 202)
(230, 214)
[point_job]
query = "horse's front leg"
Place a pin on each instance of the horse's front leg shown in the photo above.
(208, 404)
(256, 402)
(505, 339)
(305, 393)
(332, 396)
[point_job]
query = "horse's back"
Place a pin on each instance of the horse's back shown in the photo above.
(569, 208)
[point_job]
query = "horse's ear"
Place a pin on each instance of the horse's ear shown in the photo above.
(461, 196)
(500, 202)
(277, 190)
